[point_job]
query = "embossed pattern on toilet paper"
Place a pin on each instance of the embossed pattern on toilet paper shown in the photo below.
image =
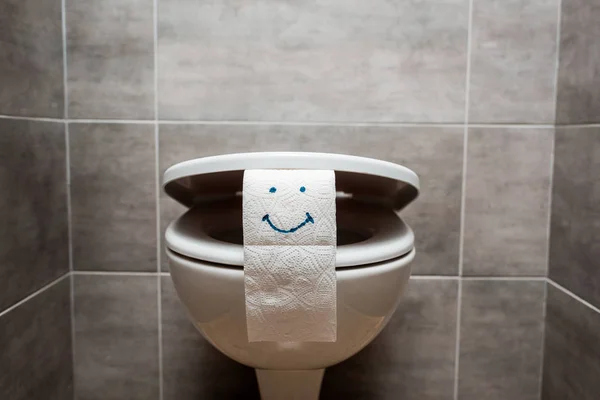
(289, 226)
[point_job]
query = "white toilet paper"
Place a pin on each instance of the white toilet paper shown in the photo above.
(289, 255)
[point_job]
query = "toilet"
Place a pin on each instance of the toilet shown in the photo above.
(375, 249)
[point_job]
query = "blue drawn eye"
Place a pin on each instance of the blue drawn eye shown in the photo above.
(273, 189)
(302, 189)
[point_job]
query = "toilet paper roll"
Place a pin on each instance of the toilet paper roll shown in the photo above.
(290, 233)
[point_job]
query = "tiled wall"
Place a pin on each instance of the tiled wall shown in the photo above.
(382, 79)
(579, 73)
(35, 317)
(572, 345)
(31, 66)
(461, 91)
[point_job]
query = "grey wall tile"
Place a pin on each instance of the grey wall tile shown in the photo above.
(110, 47)
(33, 207)
(433, 153)
(116, 337)
(513, 61)
(113, 197)
(413, 358)
(31, 63)
(326, 61)
(192, 368)
(572, 349)
(507, 201)
(578, 99)
(501, 334)
(575, 224)
(35, 347)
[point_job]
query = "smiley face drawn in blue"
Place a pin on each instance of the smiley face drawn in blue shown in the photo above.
(309, 218)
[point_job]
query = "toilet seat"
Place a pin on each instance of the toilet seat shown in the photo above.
(213, 233)
(369, 194)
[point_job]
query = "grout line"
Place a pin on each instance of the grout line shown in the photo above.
(551, 188)
(545, 311)
(289, 123)
(457, 345)
(114, 273)
(568, 126)
(72, 304)
(112, 121)
(267, 123)
(519, 126)
(159, 321)
(550, 195)
(479, 278)
(32, 295)
(415, 277)
(573, 295)
(67, 137)
(305, 123)
(65, 63)
(465, 141)
(68, 195)
(316, 123)
(68, 184)
(372, 124)
(463, 201)
(435, 277)
(359, 124)
(557, 63)
(157, 203)
(504, 278)
(40, 119)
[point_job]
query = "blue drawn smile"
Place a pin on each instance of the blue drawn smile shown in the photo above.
(306, 221)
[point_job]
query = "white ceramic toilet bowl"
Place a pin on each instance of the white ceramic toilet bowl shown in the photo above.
(213, 293)
(214, 297)
(373, 256)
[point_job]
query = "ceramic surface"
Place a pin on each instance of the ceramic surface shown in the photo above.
(214, 296)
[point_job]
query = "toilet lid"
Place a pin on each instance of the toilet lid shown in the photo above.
(202, 180)
(212, 186)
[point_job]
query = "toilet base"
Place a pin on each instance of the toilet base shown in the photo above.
(289, 385)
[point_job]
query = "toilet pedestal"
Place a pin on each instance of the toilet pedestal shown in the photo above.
(289, 385)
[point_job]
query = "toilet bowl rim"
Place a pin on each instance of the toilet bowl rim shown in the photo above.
(391, 238)
(348, 273)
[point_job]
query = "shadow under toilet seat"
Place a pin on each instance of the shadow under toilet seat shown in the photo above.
(367, 233)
